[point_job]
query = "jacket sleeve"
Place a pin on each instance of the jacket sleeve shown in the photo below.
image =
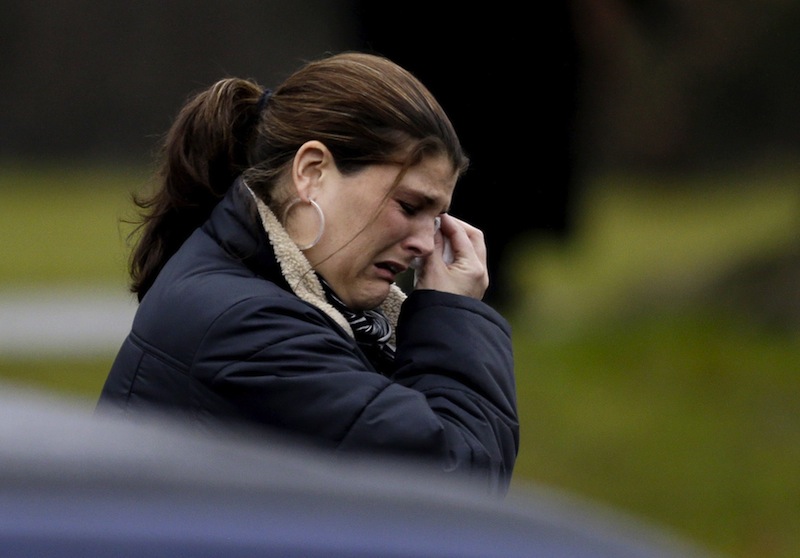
(451, 400)
(457, 352)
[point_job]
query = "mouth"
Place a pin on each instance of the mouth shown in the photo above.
(391, 268)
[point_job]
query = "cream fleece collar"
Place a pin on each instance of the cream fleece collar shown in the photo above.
(301, 276)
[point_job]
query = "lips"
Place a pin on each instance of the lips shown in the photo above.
(392, 268)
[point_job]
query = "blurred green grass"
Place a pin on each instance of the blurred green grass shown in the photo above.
(635, 390)
(62, 224)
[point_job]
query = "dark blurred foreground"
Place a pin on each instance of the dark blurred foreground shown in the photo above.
(74, 485)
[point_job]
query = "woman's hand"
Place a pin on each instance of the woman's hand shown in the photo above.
(467, 274)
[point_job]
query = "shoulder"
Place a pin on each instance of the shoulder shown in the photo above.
(217, 300)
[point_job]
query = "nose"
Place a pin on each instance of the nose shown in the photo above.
(420, 241)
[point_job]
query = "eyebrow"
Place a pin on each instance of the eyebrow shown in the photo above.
(425, 199)
(428, 200)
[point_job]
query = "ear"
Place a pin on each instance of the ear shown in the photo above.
(311, 163)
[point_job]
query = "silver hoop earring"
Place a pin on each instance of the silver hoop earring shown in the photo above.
(320, 214)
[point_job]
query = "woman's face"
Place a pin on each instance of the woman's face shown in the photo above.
(370, 238)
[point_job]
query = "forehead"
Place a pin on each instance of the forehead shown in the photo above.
(433, 177)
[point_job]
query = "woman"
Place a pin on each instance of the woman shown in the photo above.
(266, 272)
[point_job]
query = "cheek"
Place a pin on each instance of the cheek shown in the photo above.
(392, 227)
(388, 229)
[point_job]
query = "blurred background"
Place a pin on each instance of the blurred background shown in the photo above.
(635, 170)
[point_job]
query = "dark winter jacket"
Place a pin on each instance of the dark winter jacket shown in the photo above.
(236, 328)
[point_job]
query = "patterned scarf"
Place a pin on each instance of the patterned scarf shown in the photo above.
(371, 328)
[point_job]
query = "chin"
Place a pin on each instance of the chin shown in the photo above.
(372, 299)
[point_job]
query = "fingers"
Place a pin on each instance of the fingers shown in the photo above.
(467, 274)
(462, 236)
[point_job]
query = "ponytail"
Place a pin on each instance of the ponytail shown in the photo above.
(204, 151)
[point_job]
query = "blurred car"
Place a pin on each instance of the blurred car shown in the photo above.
(75, 485)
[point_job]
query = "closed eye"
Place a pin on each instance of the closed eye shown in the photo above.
(408, 208)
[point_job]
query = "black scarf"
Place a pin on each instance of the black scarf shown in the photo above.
(371, 329)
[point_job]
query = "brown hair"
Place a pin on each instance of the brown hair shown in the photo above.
(364, 108)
